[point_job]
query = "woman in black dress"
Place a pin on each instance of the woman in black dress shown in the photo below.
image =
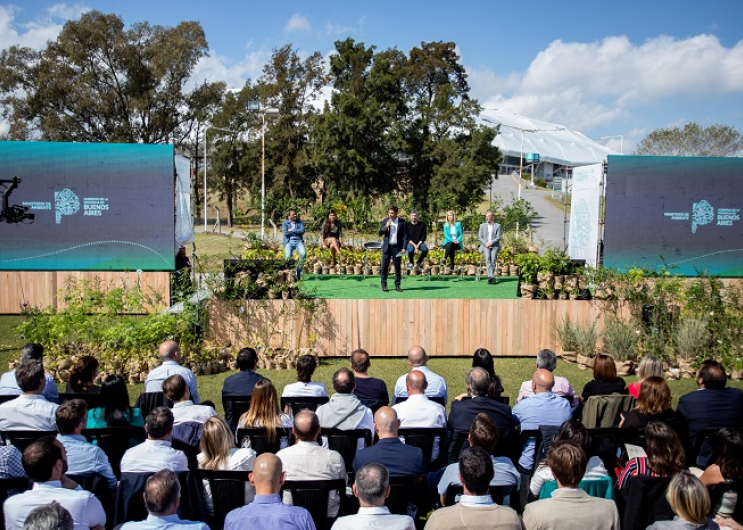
(332, 236)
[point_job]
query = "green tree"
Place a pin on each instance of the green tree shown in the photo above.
(693, 140)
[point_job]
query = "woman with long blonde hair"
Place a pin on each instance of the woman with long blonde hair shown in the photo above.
(264, 411)
(452, 237)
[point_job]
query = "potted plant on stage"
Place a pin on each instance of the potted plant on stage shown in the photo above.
(564, 332)
(620, 341)
(528, 267)
(691, 339)
(586, 338)
(435, 256)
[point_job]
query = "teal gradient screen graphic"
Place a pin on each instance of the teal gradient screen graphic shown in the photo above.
(682, 212)
(95, 206)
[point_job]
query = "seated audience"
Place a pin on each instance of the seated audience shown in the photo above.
(574, 431)
(304, 386)
(484, 434)
(344, 410)
(156, 452)
(44, 461)
(170, 358)
(605, 380)
(84, 373)
(30, 352)
(689, 500)
(372, 487)
(547, 360)
(308, 460)
(10, 462)
(418, 360)
(650, 366)
(267, 511)
(241, 383)
(265, 412)
(162, 498)
(116, 411)
(52, 516)
(475, 509)
(218, 452)
(654, 404)
(372, 392)
(30, 411)
(483, 359)
(570, 508)
(82, 456)
(713, 406)
(419, 411)
(542, 409)
(665, 455)
(184, 410)
(727, 468)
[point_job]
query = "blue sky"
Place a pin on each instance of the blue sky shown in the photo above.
(620, 68)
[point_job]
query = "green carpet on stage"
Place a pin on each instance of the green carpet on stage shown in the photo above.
(414, 287)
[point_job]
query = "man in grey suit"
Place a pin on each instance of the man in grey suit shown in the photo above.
(489, 236)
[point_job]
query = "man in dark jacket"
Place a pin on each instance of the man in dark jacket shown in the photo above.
(241, 383)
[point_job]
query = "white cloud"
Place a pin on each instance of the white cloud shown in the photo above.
(36, 33)
(297, 22)
(218, 68)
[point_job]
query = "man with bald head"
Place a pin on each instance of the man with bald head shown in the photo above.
(267, 512)
(398, 458)
(418, 411)
(308, 460)
(543, 409)
(170, 358)
(418, 361)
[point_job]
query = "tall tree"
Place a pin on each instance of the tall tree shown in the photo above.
(693, 140)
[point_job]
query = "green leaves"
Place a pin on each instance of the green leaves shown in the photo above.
(693, 140)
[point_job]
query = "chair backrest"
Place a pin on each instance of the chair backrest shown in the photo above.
(186, 437)
(91, 400)
(115, 441)
(312, 495)
(543, 439)
(151, 400)
(608, 443)
(96, 484)
(345, 442)
(228, 492)
(604, 411)
(300, 403)
(130, 503)
(642, 501)
(436, 399)
(401, 493)
(424, 438)
(704, 448)
(8, 488)
(260, 441)
(235, 406)
(22, 439)
(8, 397)
(497, 493)
(502, 399)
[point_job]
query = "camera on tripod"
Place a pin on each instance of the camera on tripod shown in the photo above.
(15, 213)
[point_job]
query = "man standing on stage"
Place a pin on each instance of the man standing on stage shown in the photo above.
(293, 230)
(489, 236)
(395, 233)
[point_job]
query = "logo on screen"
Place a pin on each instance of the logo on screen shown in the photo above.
(702, 213)
(66, 202)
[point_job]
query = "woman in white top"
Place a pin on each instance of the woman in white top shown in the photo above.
(304, 386)
(575, 431)
(218, 452)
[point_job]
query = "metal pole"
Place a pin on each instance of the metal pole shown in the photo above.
(205, 131)
(263, 176)
(521, 162)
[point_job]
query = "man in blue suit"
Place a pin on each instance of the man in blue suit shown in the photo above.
(395, 240)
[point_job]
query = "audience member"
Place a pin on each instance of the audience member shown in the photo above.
(605, 380)
(52, 516)
(727, 468)
(484, 434)
(84, 373)
(712, 406)
(344, 410)
(372, 488)
(574, 431)
(218, 453)
(162, 498)
(10, 462)
(170, 358)
(689, 500)
(82, 456)
(650, 366)
(483, 359)
(544, 408)
(654, 404)
(463, 412)
(156, 452)
(30, 352)
(418, 360)
(304, 386)
(265, 412)
(372, 392)
(241, 383)
(308, 460)
(116, 411)
(31, 410)
(547, 360)
(665, 455)
(184, 410)
(418, 410)
(45, 463)
(267, 512)
(475, 509)
(570, 508)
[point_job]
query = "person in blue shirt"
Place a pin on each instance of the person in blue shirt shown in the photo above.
(31, 352)
(293, 229)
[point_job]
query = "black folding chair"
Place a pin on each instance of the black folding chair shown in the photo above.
(346, 442)
(22, 439)
(130, 503)
(91, 400)
(227, 490)
(642, 501)
(425, 439)
(704, 440)
(96, 484)
(402, 493)
(115, 441)
(497, 493)
(436, 399)
(234, 407)
(313, 495)
(6, 398)
(300, 403)
(148, 401)
(260, 441)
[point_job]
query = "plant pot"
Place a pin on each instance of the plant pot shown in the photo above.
(325, 269)
(582, 282)
(599, 294)
(541, 277)
(569, 357)
(559, 279)
(564, 295)
(435, 270)
(376, 270)
(550, 296)
(686, 368)
(317, 269)
(504, 271)
(358, 270)
(584, 362)
(625, 367)
(341, 269)
(533, 250)
(331, 270)
(574, 295)
(513, 270)
(570, 283)
(528, 290)
(472, 270)
(368, 271)
(737, 375)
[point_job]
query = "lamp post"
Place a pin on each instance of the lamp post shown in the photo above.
(621, 141)
(255, 106)
(205, 164)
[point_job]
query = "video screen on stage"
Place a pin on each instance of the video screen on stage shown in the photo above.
(76, 206)
(682, 212)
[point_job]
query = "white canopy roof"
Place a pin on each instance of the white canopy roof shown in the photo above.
(554, 143)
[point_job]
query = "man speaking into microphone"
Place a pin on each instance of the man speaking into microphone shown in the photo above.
(395, 240)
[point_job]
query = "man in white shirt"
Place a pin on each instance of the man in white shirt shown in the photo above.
(30, 411)
(489, 236)
(418, 360)
(9, 385)
(156, 452)
(307, 460)
(82, 456)
(418, 410)
(176, 390)
(372, 487)
(170, 356)
(45, 463)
